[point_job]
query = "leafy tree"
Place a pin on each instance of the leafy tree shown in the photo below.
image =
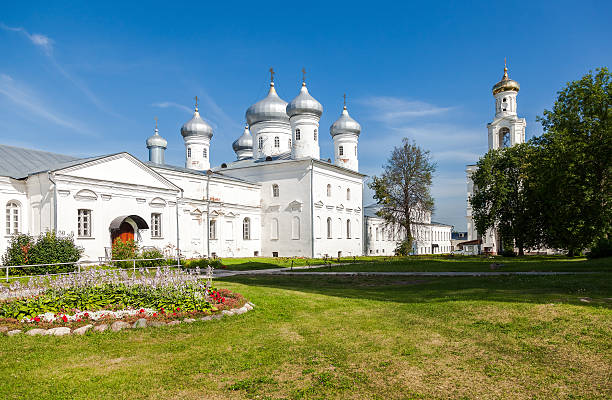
(575, 175)
(504, 199)
(403, 189)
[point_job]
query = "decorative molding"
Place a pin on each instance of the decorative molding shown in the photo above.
(294, 206)
(157, 202)
(86, 195)
(319, 204)
(63, 193)
(106, 197)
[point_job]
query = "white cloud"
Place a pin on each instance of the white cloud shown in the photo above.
(28, 101)
(170, 104)
(40, 40)
(393, 109)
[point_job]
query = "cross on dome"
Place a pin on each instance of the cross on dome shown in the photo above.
(272, 74)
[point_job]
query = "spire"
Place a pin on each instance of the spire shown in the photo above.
(344, 102)
(505, 78)
(272, 77)
(303, 76)
(196, 104)
(156, 130)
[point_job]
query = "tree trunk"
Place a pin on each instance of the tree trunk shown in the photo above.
(521, 251)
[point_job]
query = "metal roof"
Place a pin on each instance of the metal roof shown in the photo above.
(196, 172)
(19, 163)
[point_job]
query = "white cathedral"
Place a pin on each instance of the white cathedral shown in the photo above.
(506, 130)
(278, 198)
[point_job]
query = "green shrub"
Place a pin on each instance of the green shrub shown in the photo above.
(48, 248)
(404, 247)
(127, 250)
(203, 263)
(149, 254)
(602, 248)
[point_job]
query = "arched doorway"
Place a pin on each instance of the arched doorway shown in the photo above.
(125, 233)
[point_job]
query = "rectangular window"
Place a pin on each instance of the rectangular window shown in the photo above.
(84, 223)
(156, 230)
(205, 153)
(212, 229)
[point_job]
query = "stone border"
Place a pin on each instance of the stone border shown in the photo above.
(120, 325)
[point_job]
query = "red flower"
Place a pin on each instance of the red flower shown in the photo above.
(178, 308)
(86, 315)
(173, 313)
(64, 318)
(142, 310)
(155, 314)
(36, 319)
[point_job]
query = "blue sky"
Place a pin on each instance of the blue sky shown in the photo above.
(88, 78)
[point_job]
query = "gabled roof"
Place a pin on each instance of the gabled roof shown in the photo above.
(19, 163)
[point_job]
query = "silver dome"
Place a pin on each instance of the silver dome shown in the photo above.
(196, 126)
(244, 142)
(345, 125)
(156, 140)
(304, 103)
(271, 108)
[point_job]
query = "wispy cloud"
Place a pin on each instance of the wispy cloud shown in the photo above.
(40, 40)
(46, 44)
(29, 101)
(170, 104)
(393, 109)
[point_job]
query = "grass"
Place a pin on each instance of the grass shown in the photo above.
(476, 264)
(251, 263)
(313, 337)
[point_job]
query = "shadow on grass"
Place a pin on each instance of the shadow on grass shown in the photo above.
(596, 289)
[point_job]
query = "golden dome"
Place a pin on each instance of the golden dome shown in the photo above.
(506, 83)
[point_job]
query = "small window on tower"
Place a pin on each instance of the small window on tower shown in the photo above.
(341, 150)
(276, 141)
(355, 150)
(297, 134)
(260, 143)
(315, 135)
(289, 142)
(205, 153)
(189, 152)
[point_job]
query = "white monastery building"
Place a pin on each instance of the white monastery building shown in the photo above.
(278, 198)
(506, 130)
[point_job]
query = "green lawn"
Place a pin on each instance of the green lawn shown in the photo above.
(313, 337)
(250, 263)
(473, 263)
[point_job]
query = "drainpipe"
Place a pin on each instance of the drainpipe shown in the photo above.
(206, 231)
(177, 228)
(312, 235)
(50, 176)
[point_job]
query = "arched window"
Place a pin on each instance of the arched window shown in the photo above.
(504, 104)
(298, 134)
(315, 134)
(189, 152)
(348, 194)
(355, 150)
(205, 153)
(339, 228)
(246, 229)
(348, 228)
(274, 229)
(289, 142)
(13, 215)
(377, 234)
(260, 143)
(504, 137)
(275, 191)
(340, 150)
(212, 229)
(276, 141)
(329, 228)
(295, 228)
(328, 190)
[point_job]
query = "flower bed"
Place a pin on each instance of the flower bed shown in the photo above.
(98, 294)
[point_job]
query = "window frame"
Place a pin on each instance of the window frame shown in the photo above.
(212, 229)
(340, 150)
(276, 142)
(275, 190)
(298, 134)
(246, 228)
(13, 218)
(156, 226)
(84, 223)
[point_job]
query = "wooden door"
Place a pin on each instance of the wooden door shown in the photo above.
(125, 232)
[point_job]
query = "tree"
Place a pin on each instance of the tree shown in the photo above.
(576, 164)
(403, 189)
(504, 197)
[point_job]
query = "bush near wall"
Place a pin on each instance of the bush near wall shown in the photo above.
(48, 248)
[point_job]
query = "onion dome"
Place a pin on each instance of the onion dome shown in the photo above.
(345, 125)
(196, 126)
(156, 140)
(506, 83)
(271, 108)
(304, 103)
(244, 142)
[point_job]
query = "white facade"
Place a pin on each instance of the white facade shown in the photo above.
(506, 130)
(428, 237)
